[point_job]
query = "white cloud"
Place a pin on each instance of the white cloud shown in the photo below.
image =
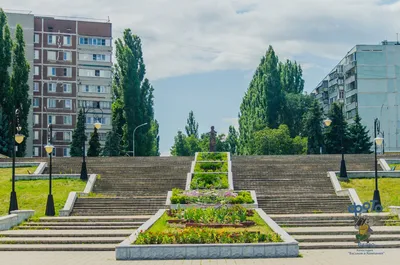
(182, 36)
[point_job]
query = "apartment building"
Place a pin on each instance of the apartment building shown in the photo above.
(72, 69)
(367, 80)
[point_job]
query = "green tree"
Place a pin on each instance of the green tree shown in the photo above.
(19, 85)
(291, 76)
(192, 127)
(360, 140)
(277, 142)
(112, 145)
(262, 103)
(133, 96)
(313, 128)
(6, 108)
(94, 144)
(78, 136)
(338, 129)
(180, 147)
(232, 140)
(294, 109)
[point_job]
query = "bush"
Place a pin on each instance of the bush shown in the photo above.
(211, 167)
(203, 156)
(209, 181)
(213, 197)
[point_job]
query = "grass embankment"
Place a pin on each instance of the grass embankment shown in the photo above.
(389, 189)
(396, 166)
(32, 194)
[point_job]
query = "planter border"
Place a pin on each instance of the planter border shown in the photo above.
(351, 193)
(370, 174)
(73, 195)
(184, 206)
(127, 251)
(20, 177)
(15, 218)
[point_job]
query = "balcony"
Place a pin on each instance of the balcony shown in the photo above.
(350, 79)
(332, 82)
(349, 66)
(351, 92)
(351, 106)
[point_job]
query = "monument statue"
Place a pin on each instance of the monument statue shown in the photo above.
(213, 141)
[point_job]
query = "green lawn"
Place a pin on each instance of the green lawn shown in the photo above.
(389, 189)
(32, 194)
(396, 166)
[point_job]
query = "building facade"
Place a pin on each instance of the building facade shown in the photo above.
(367, 80)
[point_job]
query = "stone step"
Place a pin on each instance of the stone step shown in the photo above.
(133, 224)
(67, 233)
(127, 218)
(344, 238)
(62, 240)
(75, 227)
(57, 247)
(350, 230)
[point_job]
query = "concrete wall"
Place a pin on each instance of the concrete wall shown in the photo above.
(26, 21)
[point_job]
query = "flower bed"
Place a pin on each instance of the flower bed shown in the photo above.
(211, 167)
(204, 156)
(210, 197)
(163, 231)
(209, 181)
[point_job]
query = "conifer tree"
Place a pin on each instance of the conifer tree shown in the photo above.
(192, 127)
(336, 131)
(94, 144)
(112, 144)
(78, 136)
(313, 128)
(360, 140)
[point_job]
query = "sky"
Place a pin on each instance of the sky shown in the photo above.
(200, 55)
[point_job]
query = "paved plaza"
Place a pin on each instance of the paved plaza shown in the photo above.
(310, 257)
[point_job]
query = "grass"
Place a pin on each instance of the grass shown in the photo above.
(217, 156)
(396, 166)
(32, 194)
(211, 167)
(162, 226)
(389, 189)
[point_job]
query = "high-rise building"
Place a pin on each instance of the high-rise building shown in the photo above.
(71, 69)
(367, 80)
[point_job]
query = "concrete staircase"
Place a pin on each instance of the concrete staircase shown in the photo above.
(86, 233)
(336, 231)
(295, 184)
(127, 185)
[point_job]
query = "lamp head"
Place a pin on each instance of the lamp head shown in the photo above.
(378, 140)
(97, 125)
(49, 148)
(19, 138)
(327, 122)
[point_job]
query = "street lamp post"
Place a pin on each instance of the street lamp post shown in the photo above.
(19, 138)
(343, 171)
(49, 150)
(377, 141)
(133, 137)
(97, 125)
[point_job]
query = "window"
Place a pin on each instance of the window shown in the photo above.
(36, 87)
(36, 118)
(51, 39)
(99, 57)
(86, 88)
(67, 56)
(67, 40)
(51, 103)
(94, 41)
(67, 72)
(36, 38)
(36, 54)
(67, 120)
(51, 71)
(36, 70)
(97, 72)
(67, 136)
(51, 55)
(341, 94)
(89, 120)
(54, 151)
(52, 87)
(35, 102)
(36, 151)
(68, 103)
(67, 88)
(66, 152)
(51, 119)
(36, 135)
(100, 89)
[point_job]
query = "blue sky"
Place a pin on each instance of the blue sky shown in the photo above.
(201, 54)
